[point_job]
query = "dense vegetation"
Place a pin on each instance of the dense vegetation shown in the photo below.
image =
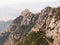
(34, 38)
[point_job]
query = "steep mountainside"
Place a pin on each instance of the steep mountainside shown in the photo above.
(42, 28)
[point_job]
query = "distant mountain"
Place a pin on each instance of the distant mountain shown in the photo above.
(42, 28)
(3, 25)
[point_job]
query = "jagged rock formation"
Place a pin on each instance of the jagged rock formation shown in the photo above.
(48, 21)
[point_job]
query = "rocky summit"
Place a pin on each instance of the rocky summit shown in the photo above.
(42, 28)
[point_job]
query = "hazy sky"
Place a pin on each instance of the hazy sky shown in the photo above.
(10, 9)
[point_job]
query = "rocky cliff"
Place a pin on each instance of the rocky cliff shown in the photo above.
(47, 21)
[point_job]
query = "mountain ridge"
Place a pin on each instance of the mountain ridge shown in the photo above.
(46, 21)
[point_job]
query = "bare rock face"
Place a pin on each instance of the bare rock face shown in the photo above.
(48, 20)
(25, 12)
(21, 26)
(25, 18)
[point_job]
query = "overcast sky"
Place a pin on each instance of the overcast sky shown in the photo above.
(10, 9)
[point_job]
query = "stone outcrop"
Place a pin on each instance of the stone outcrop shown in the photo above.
(48, 20)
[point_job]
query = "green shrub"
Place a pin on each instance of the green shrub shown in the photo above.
(34, 38)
